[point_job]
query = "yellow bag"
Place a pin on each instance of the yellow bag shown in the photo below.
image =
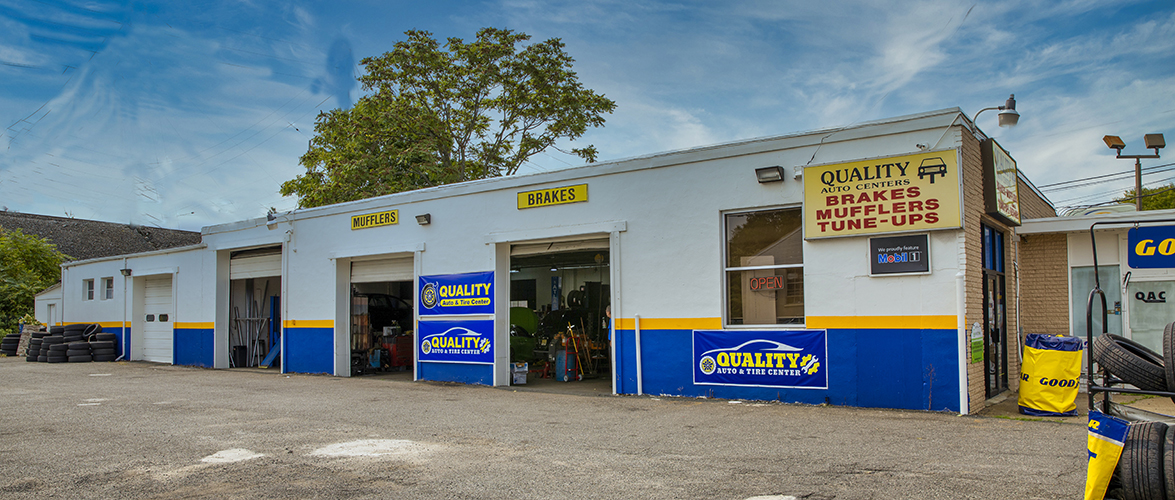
(1107, 436)
(1050, 375)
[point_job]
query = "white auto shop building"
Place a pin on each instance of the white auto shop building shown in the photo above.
(871, 265)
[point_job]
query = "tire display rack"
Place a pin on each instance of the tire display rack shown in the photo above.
(1146, 469)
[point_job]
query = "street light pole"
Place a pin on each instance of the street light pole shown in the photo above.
(1153, 141)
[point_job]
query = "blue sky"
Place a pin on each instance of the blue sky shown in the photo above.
(186, 114)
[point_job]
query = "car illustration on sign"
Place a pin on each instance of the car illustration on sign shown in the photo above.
(932, 167)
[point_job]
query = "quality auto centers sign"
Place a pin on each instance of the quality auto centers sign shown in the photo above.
(915, 192)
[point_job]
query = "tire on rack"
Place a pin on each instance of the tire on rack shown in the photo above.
(1169, 356)
(1169, 460)
(1130, 361)
(1141, 467)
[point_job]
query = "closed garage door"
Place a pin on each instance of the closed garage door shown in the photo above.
(261, 263)
(157, 321)
(374, 271)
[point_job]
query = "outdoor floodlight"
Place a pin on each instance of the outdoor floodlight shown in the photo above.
(1009, 117)
(1153, 141)
(270, 221)
(424, 219)
(125, 272)
(769, 174)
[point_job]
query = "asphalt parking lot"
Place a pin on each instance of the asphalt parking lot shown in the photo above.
(142, 430)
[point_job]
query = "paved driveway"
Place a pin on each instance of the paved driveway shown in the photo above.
(140, 430)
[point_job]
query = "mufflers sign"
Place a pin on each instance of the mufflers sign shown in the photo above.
(761, 358)
(883, 195)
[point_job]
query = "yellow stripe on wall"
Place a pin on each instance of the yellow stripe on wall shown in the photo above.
(195, 326)
(103, 324)
(670, 323)
(308, 323)
(884, 322)
(820, 322)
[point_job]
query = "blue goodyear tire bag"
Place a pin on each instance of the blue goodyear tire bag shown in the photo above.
(1050, 375)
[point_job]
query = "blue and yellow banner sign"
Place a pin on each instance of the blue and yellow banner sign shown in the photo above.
(1107, 436)
(457, 341)
(470, 293)
(761, 358)
(1151, 247)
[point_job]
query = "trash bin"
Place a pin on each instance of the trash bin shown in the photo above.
(1050, 375)
(519, 370)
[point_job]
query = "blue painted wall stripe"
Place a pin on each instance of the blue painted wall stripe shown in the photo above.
(192, 346)
(892, 368)
(457, 372)
(309, 350)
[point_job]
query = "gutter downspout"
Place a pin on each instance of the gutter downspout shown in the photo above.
(640, 382)
(961, 324)
(125, 335)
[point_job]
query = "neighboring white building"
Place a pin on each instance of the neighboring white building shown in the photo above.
(721, 285)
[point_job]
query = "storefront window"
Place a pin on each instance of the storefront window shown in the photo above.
(765, 267)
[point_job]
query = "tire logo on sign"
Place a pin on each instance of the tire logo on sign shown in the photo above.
(429, 296)
(425, 347)
(707, 365)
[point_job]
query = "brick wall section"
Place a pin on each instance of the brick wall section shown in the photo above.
(974, 217)
(1033, 206)
(1044, 271)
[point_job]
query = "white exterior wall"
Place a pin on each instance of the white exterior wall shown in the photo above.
(662, 213)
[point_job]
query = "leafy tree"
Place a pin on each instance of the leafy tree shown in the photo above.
(28, 265)
(1156, 198)
(448, 114)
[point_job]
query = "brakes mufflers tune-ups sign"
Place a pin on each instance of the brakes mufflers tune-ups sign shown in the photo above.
(761, 358)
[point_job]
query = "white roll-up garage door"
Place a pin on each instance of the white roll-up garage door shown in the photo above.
(157, 320)
(525, 249)
(262, 264)
(374, 271)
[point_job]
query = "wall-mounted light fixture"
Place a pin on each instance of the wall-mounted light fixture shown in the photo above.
(125, 272)
(1153, 141)
(797, 172)
(424, 219)
(769, 174)
(1008, 115)
(270, 221)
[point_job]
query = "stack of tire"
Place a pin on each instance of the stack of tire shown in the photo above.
(10, 344)
(53, 349)
(104, 346)
(1147, 467)
(34, 348)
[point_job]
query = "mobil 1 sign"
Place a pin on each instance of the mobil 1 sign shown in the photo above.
(899, 255)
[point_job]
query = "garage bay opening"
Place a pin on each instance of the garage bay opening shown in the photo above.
(560, 315)
(382, 316)
(255, 308)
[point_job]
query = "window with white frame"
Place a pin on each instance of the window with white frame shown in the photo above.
(88, 289)
(107, 288)
(764, 267)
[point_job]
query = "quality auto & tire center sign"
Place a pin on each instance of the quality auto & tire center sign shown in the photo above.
(916, 192)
